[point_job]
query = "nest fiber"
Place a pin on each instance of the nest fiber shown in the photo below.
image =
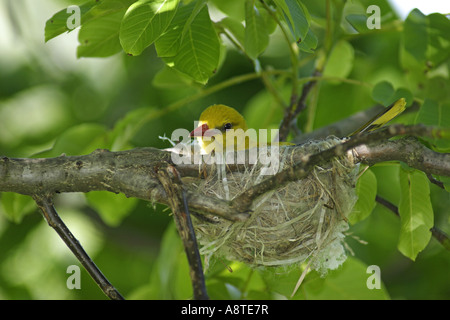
(300, 220)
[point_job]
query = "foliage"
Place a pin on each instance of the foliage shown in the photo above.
(159, 63)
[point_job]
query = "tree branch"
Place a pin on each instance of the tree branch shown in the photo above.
(130, 172)
(171, 181)
(295, 107)
(409, 151)
(137, 173)
(45, 204)
(427, 161)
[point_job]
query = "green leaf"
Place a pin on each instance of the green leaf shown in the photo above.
(296, 16)
(416, 213)
(438, 50)
(428, 113)
(309, 44)
(199, 52)
(170, 78)
(366, 189)
(217, 290)
(168, 44)
(340, 61)
(182, 285)
(440, 23)
(144, 22)
(57, 24)
(349, 282)
(198, 6)
(111, 207)
(243, 282)
(271, 24)
(358, 22)
(262, 111)
(415, 35)
(89, 11)
(356, 15)
(236, 29)
(256, 36)
(104, 9)
(78, 140)
(125, 129)
(100, 37)
(15, 206)
(383, 92)
(170, 252)
(403, 93)
(231, 8)
(434, 114)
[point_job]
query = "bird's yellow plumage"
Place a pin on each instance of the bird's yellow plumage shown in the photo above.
(227, 127)
(383, 117)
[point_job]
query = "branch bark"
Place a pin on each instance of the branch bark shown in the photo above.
(47, 209)
(295, 107)
(129, 172)
(133, 172)
(423, 159)
(137, 173)
(409, 151)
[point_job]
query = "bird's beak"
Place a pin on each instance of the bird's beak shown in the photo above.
(201, 131)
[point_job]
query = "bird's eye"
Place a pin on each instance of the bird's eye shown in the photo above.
(227, 126)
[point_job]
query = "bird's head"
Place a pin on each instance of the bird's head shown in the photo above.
(215, 121)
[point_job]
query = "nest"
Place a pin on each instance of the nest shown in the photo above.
(304, 219)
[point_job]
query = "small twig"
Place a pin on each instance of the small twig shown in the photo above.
(295, 108)
(171, 182)
(48, 211)
(301, 104)
(440, 184)
(437, 233)
(441, 236)
(387, 204)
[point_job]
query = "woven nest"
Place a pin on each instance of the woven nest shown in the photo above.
(300, 220)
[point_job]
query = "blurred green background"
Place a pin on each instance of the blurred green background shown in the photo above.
(53, 103)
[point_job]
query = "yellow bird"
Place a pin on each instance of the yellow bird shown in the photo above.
(218, 121)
